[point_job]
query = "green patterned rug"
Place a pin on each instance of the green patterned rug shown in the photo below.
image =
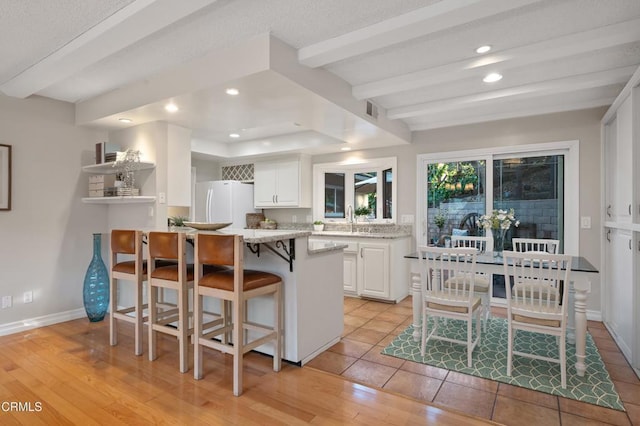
(490, 361)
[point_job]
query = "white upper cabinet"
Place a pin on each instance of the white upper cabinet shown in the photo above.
(624, 162)
(283, 183)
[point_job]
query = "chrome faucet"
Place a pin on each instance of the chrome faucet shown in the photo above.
(349, 217)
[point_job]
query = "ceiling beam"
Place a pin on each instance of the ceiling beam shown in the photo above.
(548, 50)
(560, 85)
(128, 25)
(539, 110)
(427, 20)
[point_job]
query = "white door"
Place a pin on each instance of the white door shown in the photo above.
(620, 288)
(220, 203)
(350, 272)
(373, 270)
(288, 179)
(264, 184)
(624, 162)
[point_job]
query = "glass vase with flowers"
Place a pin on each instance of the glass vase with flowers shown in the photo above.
(499, 222)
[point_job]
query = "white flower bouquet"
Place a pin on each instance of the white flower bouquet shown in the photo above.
(498, 219)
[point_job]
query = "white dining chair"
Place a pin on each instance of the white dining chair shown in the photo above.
(541, 245)
(538, 301)
(457, 301)
(483, 281)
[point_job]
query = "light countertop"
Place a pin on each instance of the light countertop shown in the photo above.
(324, 246)
(347, 234)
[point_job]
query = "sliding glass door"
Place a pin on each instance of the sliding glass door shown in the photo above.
(533, 186)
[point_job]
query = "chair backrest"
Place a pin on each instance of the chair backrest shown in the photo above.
(540, 245)
(440, 264)
(479, 243)
(224, 250)
(540, 283)
(164, 245)
(125, 241)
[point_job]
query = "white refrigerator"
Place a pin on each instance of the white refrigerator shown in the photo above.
(223, 201)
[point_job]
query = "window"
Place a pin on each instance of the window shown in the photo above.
(541, 183)
(334, 195)
(368, 187)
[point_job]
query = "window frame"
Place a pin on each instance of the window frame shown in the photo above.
(349, 168)
(571, 194)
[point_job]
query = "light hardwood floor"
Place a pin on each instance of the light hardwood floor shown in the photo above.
(77, 378)
(370, 326)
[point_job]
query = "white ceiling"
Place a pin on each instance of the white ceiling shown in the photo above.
(305, 68)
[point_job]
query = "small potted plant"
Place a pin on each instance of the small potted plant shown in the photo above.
(177, 221)
(440, 219)
(362, 212)
(318, 225)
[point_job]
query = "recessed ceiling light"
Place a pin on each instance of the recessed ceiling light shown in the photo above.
(171, 107)
(234, 135)
(492, 78)
(232, 91)
(483, 49)
(125, 120)
(345, 148)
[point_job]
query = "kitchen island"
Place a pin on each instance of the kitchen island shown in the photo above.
(313, 296)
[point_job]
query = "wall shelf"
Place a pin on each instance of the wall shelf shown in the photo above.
(107, 168)
(119, 200)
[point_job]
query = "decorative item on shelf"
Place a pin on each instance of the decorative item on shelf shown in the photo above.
(254, 219)
(268, 224)
(318, 225)
(127, 162)
(95, 290)
(499, 222)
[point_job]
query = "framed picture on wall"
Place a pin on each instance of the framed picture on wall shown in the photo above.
(5, 177)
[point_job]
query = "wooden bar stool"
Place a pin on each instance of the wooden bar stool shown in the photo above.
(178, 277)
(235, 285)
(127, 242)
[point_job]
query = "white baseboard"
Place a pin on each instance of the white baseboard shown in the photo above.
(594, 315)
(31, 323)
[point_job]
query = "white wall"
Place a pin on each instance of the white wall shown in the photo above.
(577, 125)
(45, 240)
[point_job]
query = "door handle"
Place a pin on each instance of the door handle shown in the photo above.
(276, 198)
(609, 235)
(629, 209)
(361, 252)
(630, 248)
(609, 210)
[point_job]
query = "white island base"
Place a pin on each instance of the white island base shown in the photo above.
(313, 299)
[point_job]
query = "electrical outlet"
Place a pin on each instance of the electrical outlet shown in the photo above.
(162, 197)
(6, 302)
(27, 297)
(585, 222)
(294, 218)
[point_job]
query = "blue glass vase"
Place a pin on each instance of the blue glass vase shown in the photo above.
(95, 292)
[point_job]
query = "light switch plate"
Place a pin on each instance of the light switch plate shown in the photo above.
(585, 222)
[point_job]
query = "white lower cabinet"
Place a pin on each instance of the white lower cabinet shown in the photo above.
(620, 283)
(373, 270)
(375, 267)
(350, 272)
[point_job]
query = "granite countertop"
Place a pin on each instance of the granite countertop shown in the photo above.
(257, 236)
(324, 246)
(386, 235)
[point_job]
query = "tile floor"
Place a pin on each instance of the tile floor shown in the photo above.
(370, 326)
